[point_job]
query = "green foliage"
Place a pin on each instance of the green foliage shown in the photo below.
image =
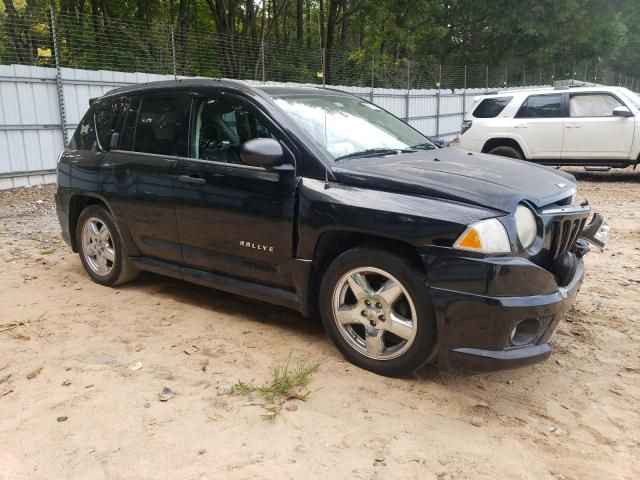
(228, 37)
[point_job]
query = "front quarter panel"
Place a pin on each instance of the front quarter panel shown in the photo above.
(416, 220)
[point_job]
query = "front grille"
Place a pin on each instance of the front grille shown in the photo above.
(564, 233)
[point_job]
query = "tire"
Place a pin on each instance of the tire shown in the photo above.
(101, 249)
(391, 337)
(506, 151)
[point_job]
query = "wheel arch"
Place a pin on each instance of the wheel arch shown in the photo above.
(77, 203)
(504, 142)
(332, 243)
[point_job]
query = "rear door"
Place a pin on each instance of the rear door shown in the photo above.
(233, 218)
(538, 125)
(592, 132)
(139, 182)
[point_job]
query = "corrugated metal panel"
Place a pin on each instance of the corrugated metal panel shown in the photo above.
(31, 134)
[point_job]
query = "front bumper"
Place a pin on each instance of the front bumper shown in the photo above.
(476, 314)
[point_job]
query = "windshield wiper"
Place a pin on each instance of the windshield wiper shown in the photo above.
(375, 152)
(425, 146)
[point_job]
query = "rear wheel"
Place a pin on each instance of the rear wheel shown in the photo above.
(506, 151)
(101, 249)
(376, 309)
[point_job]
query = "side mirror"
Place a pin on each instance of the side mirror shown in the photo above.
(622, 112)
(114, 141)
(261, 152)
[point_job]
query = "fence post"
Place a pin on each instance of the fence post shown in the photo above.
(173, 53)
(59, 82)
(324, 61)
(264, 75)
(464, 94)
(373, 63)
(406, 97)
(595, 78)
(506, 74)
(487, 79)
(540, 77)
(585, 70)
(439, 85)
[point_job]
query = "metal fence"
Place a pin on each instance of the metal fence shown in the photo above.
(42, 38)
(55, 64)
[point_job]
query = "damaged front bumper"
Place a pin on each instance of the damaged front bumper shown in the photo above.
(496, 313)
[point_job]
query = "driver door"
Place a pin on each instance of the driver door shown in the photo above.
(233, 218)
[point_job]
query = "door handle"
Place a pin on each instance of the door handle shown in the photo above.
(190, 179)
(520, 125)
(573, 125)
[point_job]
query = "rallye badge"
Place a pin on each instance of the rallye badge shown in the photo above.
(257, 246)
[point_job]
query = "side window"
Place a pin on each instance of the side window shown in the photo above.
(541, 106)
(593, 105)
(129, 130)
(220, 126)
(85, 136)
(162, 126)
(491, 107)
(109, 118)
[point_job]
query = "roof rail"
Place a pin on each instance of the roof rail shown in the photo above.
(561, 87)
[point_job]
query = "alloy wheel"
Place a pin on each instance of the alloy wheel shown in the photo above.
(374, 313)
(97, 246)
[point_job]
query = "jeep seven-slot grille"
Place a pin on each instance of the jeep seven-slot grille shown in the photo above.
(564, 235)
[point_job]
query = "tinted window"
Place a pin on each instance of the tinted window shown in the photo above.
(541, 106)
(109, 118)
(600, 105)
(491, 107)
(220, 126)
(129, 130)
(162, 126)
(85, 136)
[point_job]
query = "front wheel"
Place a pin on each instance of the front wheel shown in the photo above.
(375, 307)
(101, 249)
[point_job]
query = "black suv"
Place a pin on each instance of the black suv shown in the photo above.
(323, 202)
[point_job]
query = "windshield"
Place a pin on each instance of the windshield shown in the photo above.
(348, 127)
(631, 97)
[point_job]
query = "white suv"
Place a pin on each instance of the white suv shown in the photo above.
(589, 126)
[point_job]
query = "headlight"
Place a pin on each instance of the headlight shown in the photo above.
(486, 236)
(526, 226)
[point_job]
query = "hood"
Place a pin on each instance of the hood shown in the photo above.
(486, 180)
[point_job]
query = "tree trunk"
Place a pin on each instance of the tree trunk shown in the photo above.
(308, 22)
(299, 22)
(19, 35)
(321, 23)
(182, 44)
(331, 35)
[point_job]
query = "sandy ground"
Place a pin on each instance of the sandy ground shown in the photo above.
(576, 416)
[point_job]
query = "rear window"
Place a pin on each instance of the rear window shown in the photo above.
(85, 136)
(541, 106)
(491, 107)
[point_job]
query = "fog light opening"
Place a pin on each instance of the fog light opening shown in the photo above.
(525, 332)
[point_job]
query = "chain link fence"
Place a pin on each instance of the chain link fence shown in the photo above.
(99, 43)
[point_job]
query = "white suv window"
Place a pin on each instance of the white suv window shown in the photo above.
(491, 107)
(541, 106)
(593, 105)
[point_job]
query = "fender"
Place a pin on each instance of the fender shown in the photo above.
(415, 220)
(516, 138)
